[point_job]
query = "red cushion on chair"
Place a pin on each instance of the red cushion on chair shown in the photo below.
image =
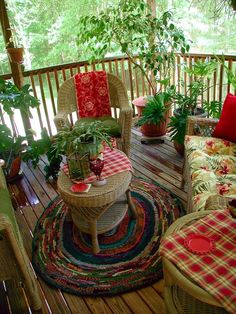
(226, 127)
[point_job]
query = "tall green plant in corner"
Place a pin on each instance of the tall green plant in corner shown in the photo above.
(130, 27)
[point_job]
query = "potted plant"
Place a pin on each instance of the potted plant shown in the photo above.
(12, 146)
(10, 149)
(14, 50)
(130, 27)
(81, 144)
(189, 103)
(153, 121)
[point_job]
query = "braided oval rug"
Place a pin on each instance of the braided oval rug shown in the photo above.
(128, 258)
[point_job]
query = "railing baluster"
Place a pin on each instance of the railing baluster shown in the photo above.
(51, 93)
(130, 79)
(35, 95)
(230, 68)
(56, 78)
(44, 103)
(46, 81)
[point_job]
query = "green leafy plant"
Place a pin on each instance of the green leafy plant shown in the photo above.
(10, 146)
(178, 127)
(73, 140)
(155, 109)
(189, 103)
(130, 26)
(11, 97)
(44, 146)
(199, 72)
(213, 108)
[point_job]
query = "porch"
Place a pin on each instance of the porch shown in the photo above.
(31, 195)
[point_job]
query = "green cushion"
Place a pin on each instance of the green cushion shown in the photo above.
(113, 127)
(7, 209)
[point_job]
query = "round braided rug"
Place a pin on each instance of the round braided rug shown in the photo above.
(128, 258)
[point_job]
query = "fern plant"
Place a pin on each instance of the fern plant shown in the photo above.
(155, 109)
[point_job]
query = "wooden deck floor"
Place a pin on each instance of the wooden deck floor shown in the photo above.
(159, 162)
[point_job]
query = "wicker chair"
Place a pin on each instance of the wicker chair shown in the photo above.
(121, 110)
(14, 262)
(201, 127)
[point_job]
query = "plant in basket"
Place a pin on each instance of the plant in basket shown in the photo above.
(81, 144)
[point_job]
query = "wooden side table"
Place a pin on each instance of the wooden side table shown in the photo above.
(181, 294)
(102, 208)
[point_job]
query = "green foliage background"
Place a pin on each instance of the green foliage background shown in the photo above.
(47, 29)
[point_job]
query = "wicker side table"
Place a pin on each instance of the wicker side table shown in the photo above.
(181, 294)
(102, 208)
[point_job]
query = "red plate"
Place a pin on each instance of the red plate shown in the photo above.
(80, 187)
(199, 243)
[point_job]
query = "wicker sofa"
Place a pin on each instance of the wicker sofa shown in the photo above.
(210, 166)
(14, 262)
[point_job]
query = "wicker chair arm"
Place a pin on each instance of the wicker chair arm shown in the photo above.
(61, 120)
(194, 121)
(125, 120)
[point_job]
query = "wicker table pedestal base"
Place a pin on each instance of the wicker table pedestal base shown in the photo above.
(102, 208)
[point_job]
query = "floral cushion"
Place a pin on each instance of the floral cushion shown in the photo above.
(212, 163)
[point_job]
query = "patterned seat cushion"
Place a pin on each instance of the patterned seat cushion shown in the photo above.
(212, 163)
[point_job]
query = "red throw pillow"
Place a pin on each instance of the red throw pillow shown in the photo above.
(226, 127)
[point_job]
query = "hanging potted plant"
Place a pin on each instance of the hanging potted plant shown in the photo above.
(16, 54)
(14, 50)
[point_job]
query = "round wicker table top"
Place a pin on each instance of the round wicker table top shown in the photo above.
(98, 195)
(181, 284)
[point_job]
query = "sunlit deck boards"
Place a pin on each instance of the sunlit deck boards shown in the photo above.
(31, 195)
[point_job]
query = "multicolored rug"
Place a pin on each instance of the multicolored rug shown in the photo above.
(128, 258)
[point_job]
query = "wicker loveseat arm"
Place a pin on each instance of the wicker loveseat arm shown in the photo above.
(15, 264)
(200, 126)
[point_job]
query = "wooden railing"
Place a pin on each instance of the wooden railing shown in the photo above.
(45, 83)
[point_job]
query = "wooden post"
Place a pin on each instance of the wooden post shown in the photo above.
(15, 67)
(152, 4)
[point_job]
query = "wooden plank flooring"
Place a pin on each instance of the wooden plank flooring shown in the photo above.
(31, 195)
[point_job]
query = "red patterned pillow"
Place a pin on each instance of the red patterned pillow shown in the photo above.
(226, 127)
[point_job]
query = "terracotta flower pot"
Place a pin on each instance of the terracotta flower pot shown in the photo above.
(16, 55)
(13, 172)
(140, 103)
(179, 148)
(152, 130)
